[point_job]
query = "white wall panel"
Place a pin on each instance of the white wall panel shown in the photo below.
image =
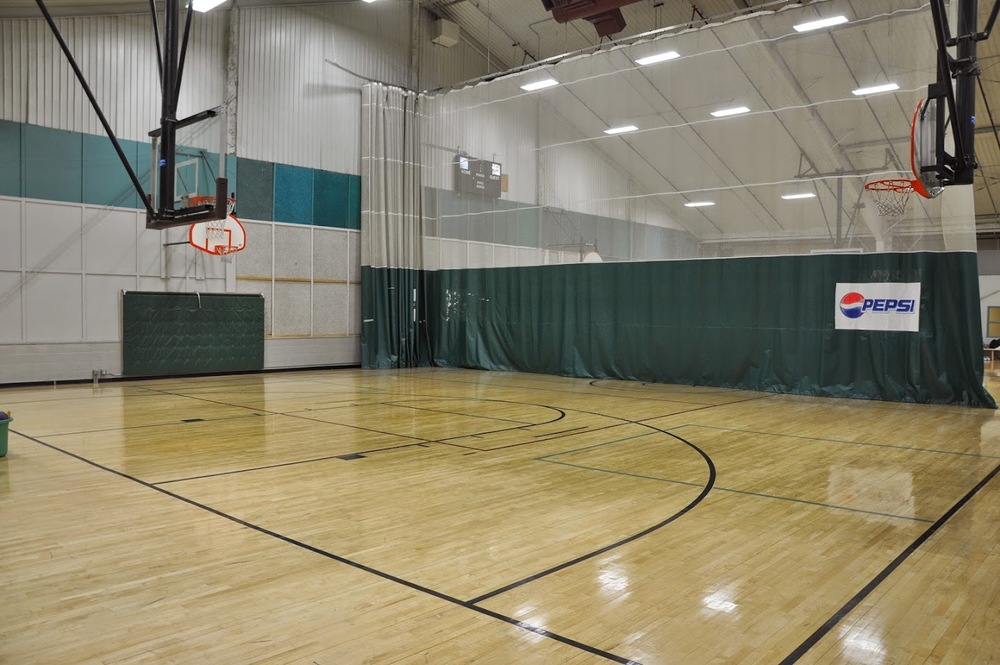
(53, 236)
(330, 316)
(293, 251)
(103, 312)
(110, 243)
(292, 308)
(10, 308)
(330, 255)
(54, 308)
(10, 235)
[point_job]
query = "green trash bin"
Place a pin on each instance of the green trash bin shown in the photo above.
(3, 435)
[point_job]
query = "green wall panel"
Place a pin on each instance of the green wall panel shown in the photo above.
(188, 333)
(334, 201)
(255, 194)
(10, 158)
(53, 164)
(105, 181)
(755, 323)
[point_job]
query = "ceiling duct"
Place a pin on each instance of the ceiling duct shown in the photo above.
(604, 14)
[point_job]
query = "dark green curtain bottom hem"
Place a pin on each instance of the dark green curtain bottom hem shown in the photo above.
(763, 324)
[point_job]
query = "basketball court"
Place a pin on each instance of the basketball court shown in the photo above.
(667, 349)
(465, 516)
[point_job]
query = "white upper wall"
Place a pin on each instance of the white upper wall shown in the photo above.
(292, 106)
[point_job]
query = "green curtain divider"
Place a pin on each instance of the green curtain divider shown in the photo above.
(190, 333)
(753, 323)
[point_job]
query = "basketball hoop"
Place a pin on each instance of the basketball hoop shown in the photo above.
(226, 252)
(220, 237)
(891, 195)
(215, 229)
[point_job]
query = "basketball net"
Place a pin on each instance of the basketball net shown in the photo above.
(891, 196)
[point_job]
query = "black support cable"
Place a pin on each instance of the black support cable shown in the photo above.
(184, 48)
(156, 38)
(97, 107)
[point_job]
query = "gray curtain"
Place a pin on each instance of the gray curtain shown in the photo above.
(391, 228)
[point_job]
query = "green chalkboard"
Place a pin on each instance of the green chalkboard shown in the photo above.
(191, 333)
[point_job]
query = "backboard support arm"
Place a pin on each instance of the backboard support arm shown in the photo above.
(97, 107)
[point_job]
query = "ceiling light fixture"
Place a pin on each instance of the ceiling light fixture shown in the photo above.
(698, 204)
(886, 87)
(539, 85)
(733, 111)
(658, 57)
(821, 23)
(621, 130)
(205, 5)
(804, 195)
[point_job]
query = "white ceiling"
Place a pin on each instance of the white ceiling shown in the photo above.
(515, 33)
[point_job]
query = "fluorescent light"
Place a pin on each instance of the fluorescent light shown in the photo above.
(804, 195)
(658, 57)
(734, 111)
(821, 23)
(621, 130)
(368, 1)
(205, 5)
(698, 204)
(875, 89)
(538, 85)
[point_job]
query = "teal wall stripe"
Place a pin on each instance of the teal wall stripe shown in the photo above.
(293, 194)
(58, 165)
(10, 159)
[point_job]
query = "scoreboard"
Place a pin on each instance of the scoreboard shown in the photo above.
(477, 176)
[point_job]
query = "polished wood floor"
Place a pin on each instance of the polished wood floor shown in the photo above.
(451, 516)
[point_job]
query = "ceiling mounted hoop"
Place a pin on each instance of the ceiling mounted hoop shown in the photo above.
(891, 195)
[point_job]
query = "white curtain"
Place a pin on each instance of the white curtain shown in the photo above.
(393, 326)
(391, 183)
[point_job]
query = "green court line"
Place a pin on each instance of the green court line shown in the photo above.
(853, 443)
(736, 491)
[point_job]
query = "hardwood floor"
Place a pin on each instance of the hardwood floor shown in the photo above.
(454, 516)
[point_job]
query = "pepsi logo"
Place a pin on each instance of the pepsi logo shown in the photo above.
(852, 305)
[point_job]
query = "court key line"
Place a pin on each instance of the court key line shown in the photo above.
(844, 441)
(842, 613)
(624, 541)
(354, 564)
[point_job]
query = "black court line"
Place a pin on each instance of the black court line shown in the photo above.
(577, 393)
(171, 423)
(840, 614)
(852, 443)
(731, 490)
(404, 405)
(624, 541)
(354, 564)
(633, 392)
(279, 465)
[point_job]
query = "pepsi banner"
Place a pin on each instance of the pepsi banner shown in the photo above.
(878, 306)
